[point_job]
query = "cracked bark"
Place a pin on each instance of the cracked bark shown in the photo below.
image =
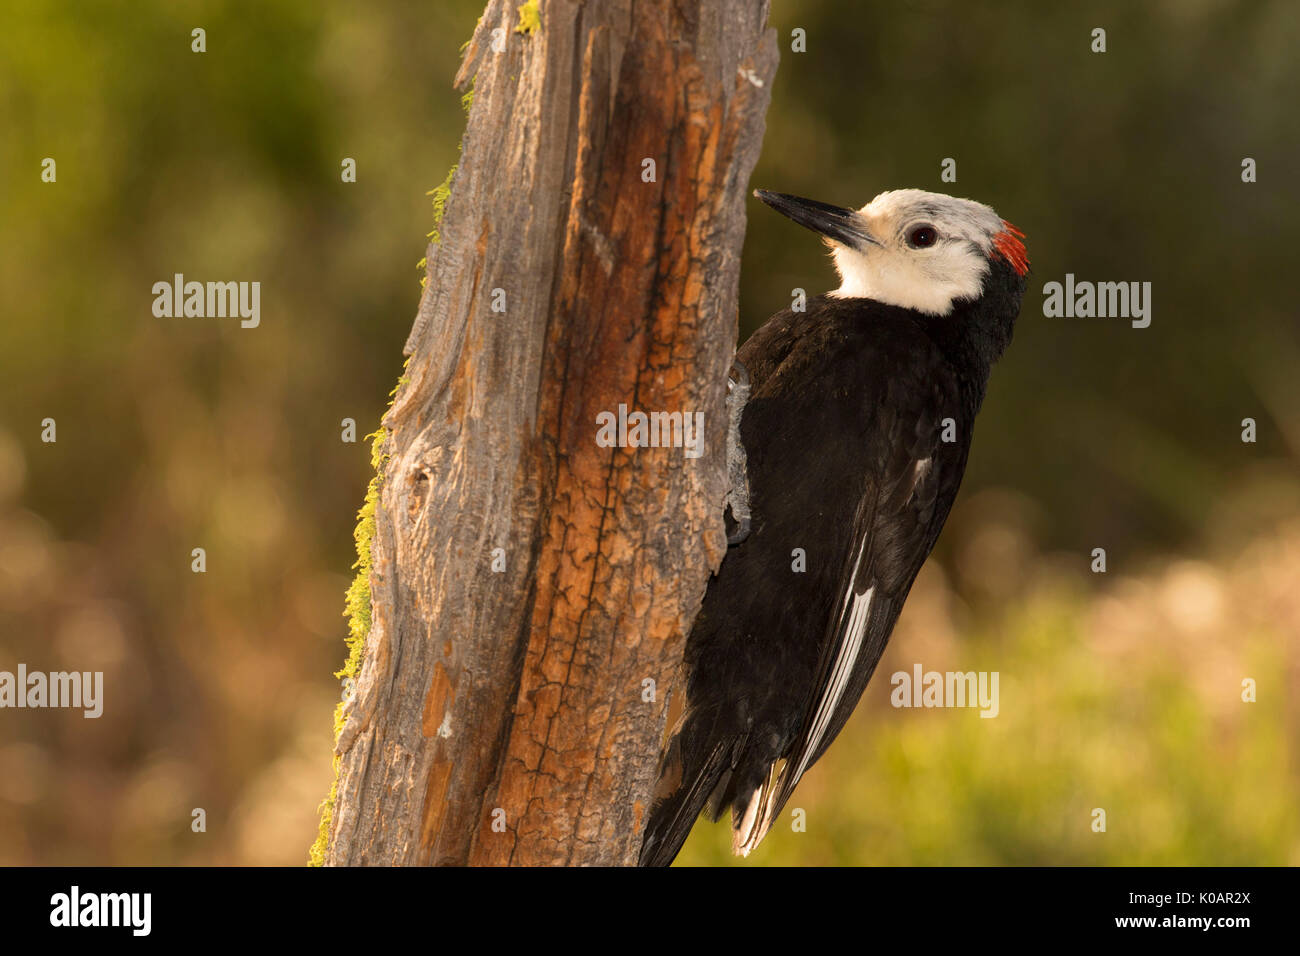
(517, 698)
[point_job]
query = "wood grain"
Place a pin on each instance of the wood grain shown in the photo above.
(517, 697)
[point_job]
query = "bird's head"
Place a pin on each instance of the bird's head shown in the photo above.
(911, 248)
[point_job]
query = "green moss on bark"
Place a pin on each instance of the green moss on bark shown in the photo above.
(530, 20)
(357, 604)
(357, 611)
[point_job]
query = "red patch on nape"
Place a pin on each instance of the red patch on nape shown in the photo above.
(1009, 246)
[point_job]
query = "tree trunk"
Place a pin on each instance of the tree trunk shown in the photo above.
(531, 589)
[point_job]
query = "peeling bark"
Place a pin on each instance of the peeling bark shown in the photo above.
(518, 697)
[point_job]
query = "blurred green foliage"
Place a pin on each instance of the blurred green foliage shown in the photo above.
(176, 434)
(1128, 700)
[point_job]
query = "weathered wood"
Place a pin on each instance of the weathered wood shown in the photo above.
(522, 691)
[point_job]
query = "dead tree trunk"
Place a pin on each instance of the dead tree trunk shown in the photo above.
(528, 584)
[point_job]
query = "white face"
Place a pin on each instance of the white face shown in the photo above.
(929, 250)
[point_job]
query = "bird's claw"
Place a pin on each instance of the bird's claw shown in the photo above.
(740, 534)
(738, 492)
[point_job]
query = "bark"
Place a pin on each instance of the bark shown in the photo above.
(504, 716)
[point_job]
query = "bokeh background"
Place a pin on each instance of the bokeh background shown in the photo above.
(1119, 690)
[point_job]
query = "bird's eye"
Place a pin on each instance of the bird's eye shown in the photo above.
(922, 237)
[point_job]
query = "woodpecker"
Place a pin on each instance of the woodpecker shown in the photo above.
(850, 448)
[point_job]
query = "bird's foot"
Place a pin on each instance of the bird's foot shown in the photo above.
(738, 377)
(743, 528)
(738, 493)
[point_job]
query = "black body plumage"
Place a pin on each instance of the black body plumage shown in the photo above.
(844, 433)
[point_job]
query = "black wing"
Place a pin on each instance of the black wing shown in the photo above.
(909, 487)
(873, 505)
(911, 401)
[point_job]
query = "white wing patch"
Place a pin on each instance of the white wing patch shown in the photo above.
(851, 627)
(857, 607)
(742, 841)
(752, 826)
(920, 469)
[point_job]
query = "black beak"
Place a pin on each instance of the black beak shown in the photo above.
(834, 222)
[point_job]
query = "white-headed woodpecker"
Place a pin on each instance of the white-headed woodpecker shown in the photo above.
(853, 441)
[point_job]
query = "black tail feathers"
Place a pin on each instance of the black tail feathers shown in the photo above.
(692, 769)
